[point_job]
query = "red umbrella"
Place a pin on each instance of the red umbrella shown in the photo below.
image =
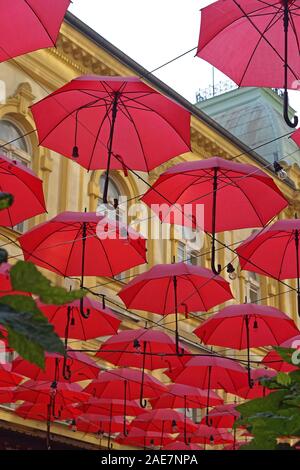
(42, 412)
(124, 384)
(234, 196)
(208, 435)
(63, 393)
(181, 446)
(147, 349)
(223, 416)
(69, 323)
(105, 406)
(164, 420)
(6, 287)
(35, 25)
(112, 123)
(257, 390)
(99, 424)
(83, 244)
(7, 376)
(212, 372)
(274, 252)
(79, 367)
(22, 183)
(139, 438)
(275, 361)
(255, 43)
(246, 326)
(175, 288)
(180, 396)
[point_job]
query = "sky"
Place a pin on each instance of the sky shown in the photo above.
(152, 33)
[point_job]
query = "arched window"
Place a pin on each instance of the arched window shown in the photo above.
(16, 145)
(114, 206)
(253, 288)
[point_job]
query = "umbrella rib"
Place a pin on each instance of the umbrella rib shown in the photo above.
(106, 256)
(196, 288)
(39, 20)
(283, 254)
(72, 247)
(166, 296)
(108, 109)
(8, 211)
(295, 31)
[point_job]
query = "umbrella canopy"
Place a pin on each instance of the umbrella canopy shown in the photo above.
(43, 412)
(254, 42)
(68, 322)
(40, 391)
(7, 376)
(83, 244)
(35, 25)
(148, 348)
(268, 327)
(178, 288)
(257, 390)
(99, 424)
(234, 196)
(208, 435)
(140, 438)
(106, 406)
(7, 395)
(124, 384)
(274, 252)
(169, 421)
(22, 183)
(80, 365)
(275, 361)
(223, 416)
(181, 446)
(181, 396)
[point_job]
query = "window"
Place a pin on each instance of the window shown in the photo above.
(192, 257)
(114, 195)
(180, 252)
(18, 149)
(253, 288)
(184, 253)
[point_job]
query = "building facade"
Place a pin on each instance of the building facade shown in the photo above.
(67, 186)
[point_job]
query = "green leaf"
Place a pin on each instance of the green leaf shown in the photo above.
(6, 200)
(26, 277)
(23, 303)
(287, 354)
(283, 379)
(29, 350)
(269, 403)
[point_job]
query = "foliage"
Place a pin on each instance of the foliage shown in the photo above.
(6, 200)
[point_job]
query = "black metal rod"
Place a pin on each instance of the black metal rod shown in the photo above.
(66, 370)
(84, 237)
(185, 432)
(298, 269)
(143, 402)
(208, 395)
(247, 321)
(216, 270)
(110, 146)
(178, 352)
(48, 437)
(110, 426)
(293, 124)
(125, 432)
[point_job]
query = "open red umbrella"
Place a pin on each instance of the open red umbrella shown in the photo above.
(223, 416)
(79, 367)
(124, 384)
(112, 123)
(234, 196)
(62, 393)
(212, 372)
(7, 395)
(42, 412)
(273, 360)
(254, 42)
(22, 183)
(83, 244)
(246, 326)
(147, 439)
(207, 435)
(36, 25)
(175, 288)
(106, 406)
(9, 377)
(164, 420)
(99, 424)
(257, 390)
(274, 252)
(142, 348)
(179, 396)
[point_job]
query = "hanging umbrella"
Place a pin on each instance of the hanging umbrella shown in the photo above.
(112, 123)
(104, 406)
(43, 412)
(22, 183)
(211, 372)
(164, 421)
(79, 367)
(207, 435)
(254, 42)
(257, 390)
(143, 348)
(83, 244)
(7, 395)
(274, 252)
(68, 321)
(181, 446)
(234, 196)
(273, 360)
(180, 396)
(246, 326)
(124, 384)
(223, 416)
(35, 25)
(7, 376)
(99, 424)
(147, 439)
(175, 288)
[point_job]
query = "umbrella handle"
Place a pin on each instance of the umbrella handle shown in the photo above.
(293, 124)
(143, 402)
(48, 438)
(82, 312)
(66, 369)
(216, 270)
